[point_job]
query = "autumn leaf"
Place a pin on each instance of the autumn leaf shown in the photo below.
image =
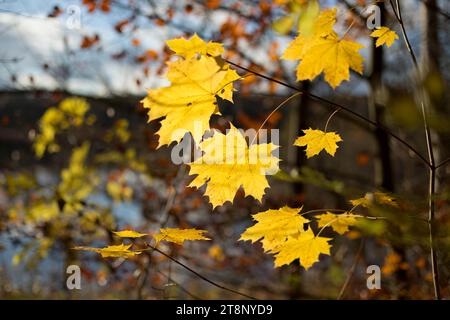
(189, 48)
(129, 234)
(178, 236)
(273, 227)
(339, 222)
(189, 102)
(384, 35)
(228, 163)
(118, 251)
(323, 51)
(305, 246)
(371, 199)
(333, 57)
(318, 140)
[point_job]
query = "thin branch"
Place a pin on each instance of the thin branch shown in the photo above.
(199, 275)
(443, 163)
(351, 271)
(431, 161)
(334, 104)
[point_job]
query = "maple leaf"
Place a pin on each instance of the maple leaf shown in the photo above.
(190, 101)
(129, 234)
(188, 48)
(384, 35)
(229, 163)
(305, 246)
(323, 51)
(370, 199)
(339, 222)
(274, 226)
(322, 27)
(117, 251)
(178, 236)
(318, 140)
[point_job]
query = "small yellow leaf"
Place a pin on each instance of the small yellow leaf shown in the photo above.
(318, 140)
(306, 247)
(274, 226)
(117, 251)
(178, 236)
(371, 199)
(339, 222)
(129, 234)
(216, 252)
(384, 35)
(188, 48)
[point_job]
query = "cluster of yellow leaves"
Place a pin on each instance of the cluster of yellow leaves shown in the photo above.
(317, 140)
(173, 235)
(282, 233)
(289, 235)
(384, 35)
(77, 182)
(229, 163)
(197, 79)
(322, 51)
(70, 112)
(127, 158)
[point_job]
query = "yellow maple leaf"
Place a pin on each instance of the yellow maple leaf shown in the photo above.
(178, 236)
(274, 226)
(339, 222)
(333, 57)
(189, 102)
(370, 199)
(117, 251)
(318, 140)
(384, 35)
(322, 27)
(188, 48)
(129, 234)
(323, 51)
(229, 163)
(306, 247)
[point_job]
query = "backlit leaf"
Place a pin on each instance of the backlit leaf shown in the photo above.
(318, 140)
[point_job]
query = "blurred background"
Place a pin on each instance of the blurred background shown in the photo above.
(78, 158)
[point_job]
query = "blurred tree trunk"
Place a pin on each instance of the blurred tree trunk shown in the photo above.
(382, 162)
(432, 79)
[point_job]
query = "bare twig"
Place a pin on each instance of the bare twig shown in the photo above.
(352, 270)
(199, 275)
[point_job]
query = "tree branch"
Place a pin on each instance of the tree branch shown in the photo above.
(432, 178)
(199, 275)
(336, 105)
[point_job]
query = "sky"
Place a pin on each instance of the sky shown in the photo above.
(28, 35)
